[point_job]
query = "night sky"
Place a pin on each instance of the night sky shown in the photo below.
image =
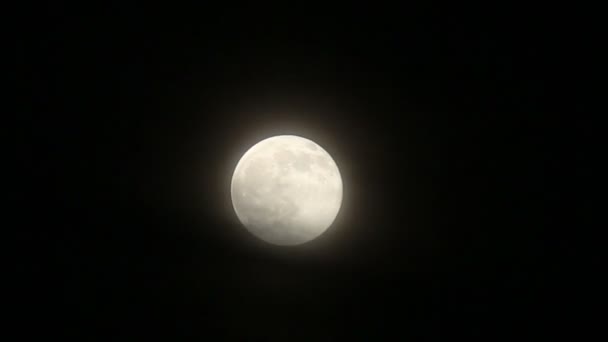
(437, 117)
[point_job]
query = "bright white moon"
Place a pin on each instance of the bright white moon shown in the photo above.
(286, 190)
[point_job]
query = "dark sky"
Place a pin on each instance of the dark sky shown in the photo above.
(438, 118)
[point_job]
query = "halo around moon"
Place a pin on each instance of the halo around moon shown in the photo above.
(286, 190)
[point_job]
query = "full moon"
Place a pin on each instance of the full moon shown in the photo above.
(286, 190)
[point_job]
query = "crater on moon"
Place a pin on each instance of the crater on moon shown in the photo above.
(286, 190)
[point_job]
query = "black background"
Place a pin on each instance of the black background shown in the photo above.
(438, 118)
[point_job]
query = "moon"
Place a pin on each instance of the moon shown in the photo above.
(286, 190)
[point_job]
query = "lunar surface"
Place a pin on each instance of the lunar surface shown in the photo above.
(286, 190)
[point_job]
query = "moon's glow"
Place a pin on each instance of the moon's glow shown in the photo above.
(286, 190)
